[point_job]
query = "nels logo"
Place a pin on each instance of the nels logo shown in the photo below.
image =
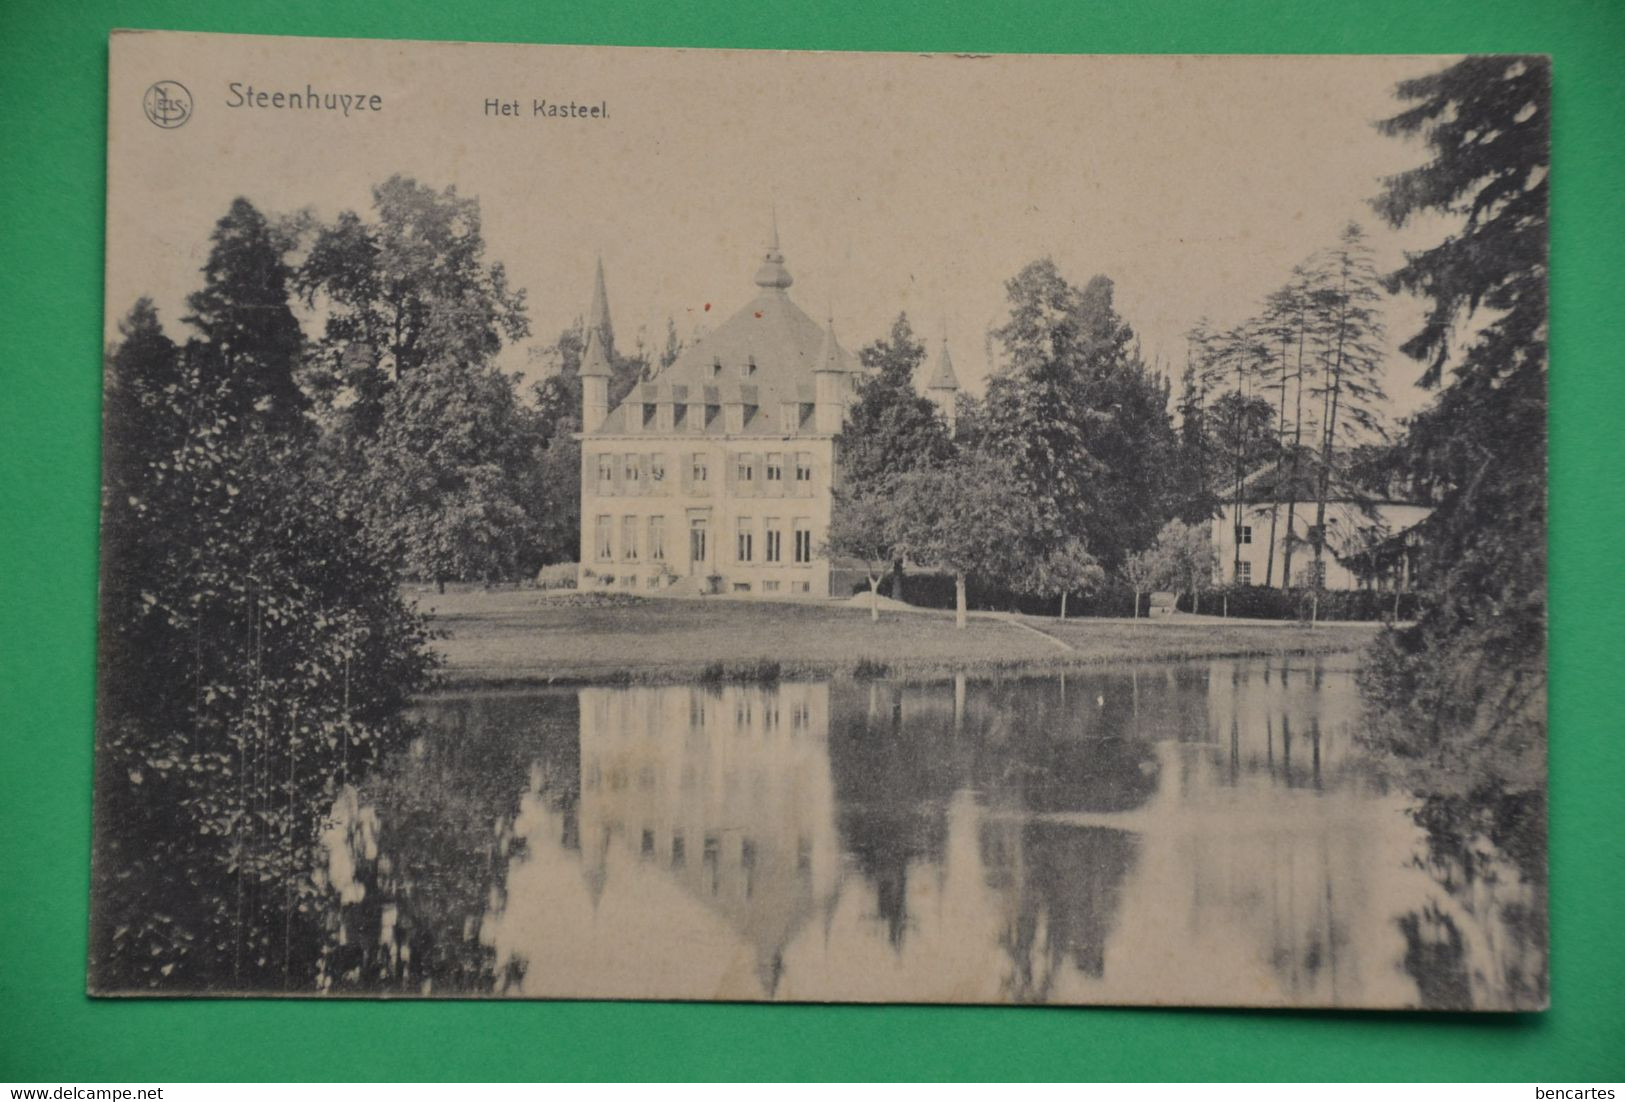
(168, 104)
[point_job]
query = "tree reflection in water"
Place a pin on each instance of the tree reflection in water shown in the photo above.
(1204, 832)
(1482, 940)
(415, 865)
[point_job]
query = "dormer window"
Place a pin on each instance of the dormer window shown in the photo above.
(748, 368)
(716, 368)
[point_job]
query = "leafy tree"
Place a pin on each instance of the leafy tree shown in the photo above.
(1463, 691)
(1194, 499)
(449, 471)
(861, 526)
(1287, 318)
(1243, 428)
(251, 342)
(1143, 571)
(255, 657)
(1083, 423)
(1066, 569)
(891, 429)
(408, 288)
(554, 502)
(969, 517)
(1347, 385)
(1188, 558)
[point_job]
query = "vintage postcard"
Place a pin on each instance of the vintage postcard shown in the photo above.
(590, 522)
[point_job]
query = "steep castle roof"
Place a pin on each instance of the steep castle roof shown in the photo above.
(765, 354)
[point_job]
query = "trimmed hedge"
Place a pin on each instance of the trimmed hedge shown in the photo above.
(1247, 602)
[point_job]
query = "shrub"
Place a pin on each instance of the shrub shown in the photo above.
(929, 589)
(561, 575)
(1256, 602)
(870, 669)
(1114, 598)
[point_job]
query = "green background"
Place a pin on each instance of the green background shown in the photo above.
(52, 152)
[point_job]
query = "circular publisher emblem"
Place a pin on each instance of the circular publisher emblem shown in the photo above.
(168, 104)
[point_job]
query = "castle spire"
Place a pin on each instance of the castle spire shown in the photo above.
(598, 313)
(943, 388)
(773, 275)
(943, 378)
(594, 360)
(829, 353)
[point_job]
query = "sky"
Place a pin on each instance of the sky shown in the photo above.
(899, 182)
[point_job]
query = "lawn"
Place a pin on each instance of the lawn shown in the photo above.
(526, 636)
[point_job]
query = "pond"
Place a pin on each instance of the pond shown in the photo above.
(1205, 832)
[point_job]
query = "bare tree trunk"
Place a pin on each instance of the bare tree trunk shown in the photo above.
(1328, 438)
(959, 601)
(1063, 604)
(874, 597)
(1280, 464)
(1297, 442)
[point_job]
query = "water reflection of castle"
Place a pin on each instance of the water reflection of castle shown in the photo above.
(1188, 833)
(727, 790)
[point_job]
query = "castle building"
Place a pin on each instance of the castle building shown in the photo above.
(717, 476)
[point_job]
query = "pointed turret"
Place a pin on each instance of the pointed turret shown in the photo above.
(828, 376)
(598, 313)
(943, 388)
(595, 375)
(773, 275)
(594, 361)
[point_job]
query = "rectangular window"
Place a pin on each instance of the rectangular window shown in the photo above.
(633, 470)
(770, 587)
(657, 539)
(629, 539)
(1246, 533)
(679, 416)
(773, 542)
(746, 470)
(803, 466)
(1244, 573)
(601, 539)
(696, 541)
(775, 468)
(697, 468)
(657, 467)
(804, 546)
(606, 473)
(801, 587)
(747, 538)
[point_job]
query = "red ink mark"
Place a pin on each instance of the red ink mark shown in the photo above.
(758, 313)
(708, 308)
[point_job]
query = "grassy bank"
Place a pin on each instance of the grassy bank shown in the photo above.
(515, 637)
